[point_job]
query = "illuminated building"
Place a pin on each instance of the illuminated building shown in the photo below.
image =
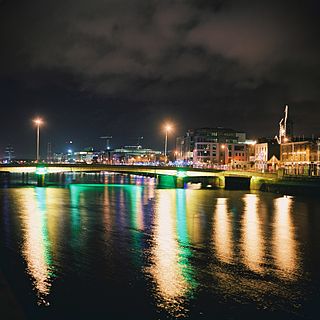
(8, 154)
(87, 156)
(213, 147)
(300, 157)
(135, 154)
(266, 155)
(233, 155)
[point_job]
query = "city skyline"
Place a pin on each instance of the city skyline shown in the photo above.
(98, 143)
(121, 69)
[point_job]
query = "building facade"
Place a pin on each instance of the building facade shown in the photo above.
(135, 155)
(9, 155)
(267, 155)
(300, 157)
(213, 147)
(231, 155)
(204, 144)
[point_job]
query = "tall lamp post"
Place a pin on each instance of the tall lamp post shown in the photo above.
(225, 148)
(168, 128)
(38, 123)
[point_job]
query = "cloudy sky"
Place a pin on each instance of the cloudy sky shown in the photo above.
(124, 67)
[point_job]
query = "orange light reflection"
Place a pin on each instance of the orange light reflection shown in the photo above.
(166, 270)
(222, 236)
(252, 240)
(284, 244)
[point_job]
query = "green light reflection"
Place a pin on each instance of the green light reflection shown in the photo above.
(182, 235)
(171, 268)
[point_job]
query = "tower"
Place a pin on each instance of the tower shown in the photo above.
(285, 127)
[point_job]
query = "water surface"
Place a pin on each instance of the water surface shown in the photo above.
(134, 251)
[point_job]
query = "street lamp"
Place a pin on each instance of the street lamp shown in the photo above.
(225, 148)
(168, 128)
(38, 123)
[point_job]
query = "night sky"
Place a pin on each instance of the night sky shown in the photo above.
(124, 67)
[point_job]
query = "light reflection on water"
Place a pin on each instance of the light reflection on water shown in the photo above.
(166, 254)
(223, 231)
(284, 243)
(252, 240)
(37, 247)
(181, 242)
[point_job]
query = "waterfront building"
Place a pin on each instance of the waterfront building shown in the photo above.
(300, 157)
(232, 155)
(188, 143)
(135, 155)
(213, 147)
(267, 155)
(58, 157)
(86, 156)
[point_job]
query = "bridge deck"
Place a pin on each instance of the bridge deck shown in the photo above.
(152, 170)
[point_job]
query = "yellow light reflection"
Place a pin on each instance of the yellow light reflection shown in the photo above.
(166, 270)
(284, 244)
(35, 248)
(107, 214)
(252, 241)
(222, 235)
(193, 205)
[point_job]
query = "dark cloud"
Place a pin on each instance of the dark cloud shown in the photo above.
(233, 63)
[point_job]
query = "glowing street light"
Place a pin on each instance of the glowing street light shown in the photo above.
(38, 123)
(168, 128)
(225, 148)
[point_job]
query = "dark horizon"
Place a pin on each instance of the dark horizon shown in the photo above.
(124, 68)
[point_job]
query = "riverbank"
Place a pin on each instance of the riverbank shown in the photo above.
(293, 185)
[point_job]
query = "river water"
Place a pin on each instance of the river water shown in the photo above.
(132, 251)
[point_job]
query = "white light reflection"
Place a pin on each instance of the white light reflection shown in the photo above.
(252, 241)
(222, 235)
(284, 244)
(166, 270)
(35, 248)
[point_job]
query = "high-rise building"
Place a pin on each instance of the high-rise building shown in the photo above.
(9, 154)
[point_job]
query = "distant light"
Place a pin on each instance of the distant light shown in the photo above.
(181, 174)
(70, 141)
(69, 151)
(41, 170)
(251, 142)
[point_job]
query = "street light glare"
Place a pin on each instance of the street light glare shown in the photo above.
(38, 121)
(168, 127)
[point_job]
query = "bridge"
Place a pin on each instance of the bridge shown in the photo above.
(166, 176)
